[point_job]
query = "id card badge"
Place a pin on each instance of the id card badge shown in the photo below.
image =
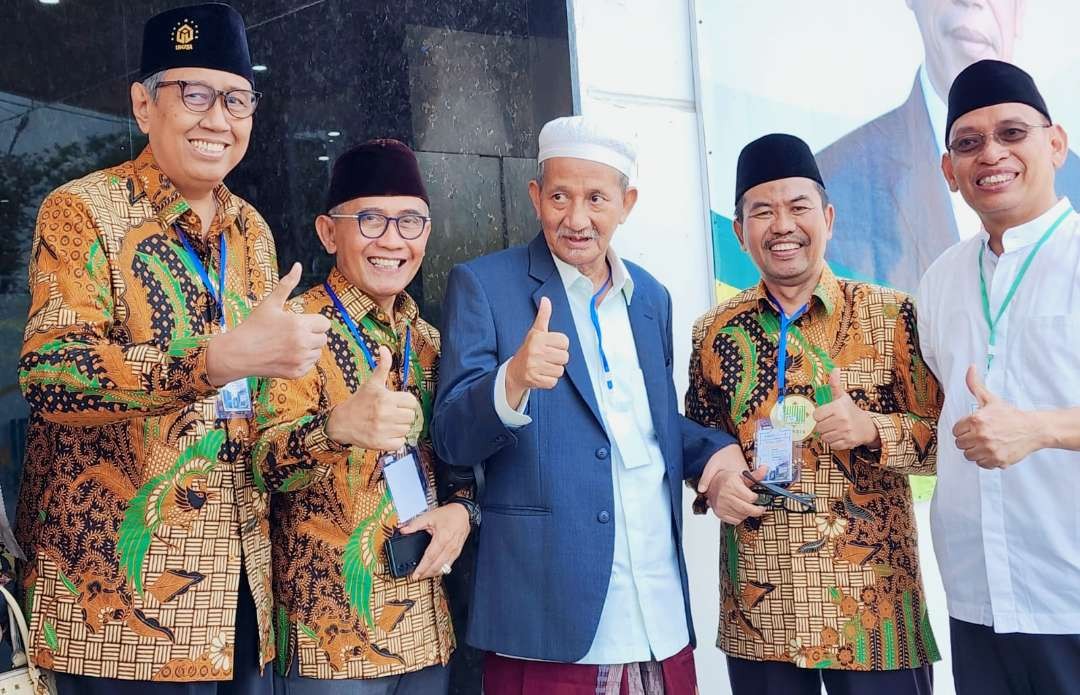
(776, 449)
(407, 491)
(234, 400)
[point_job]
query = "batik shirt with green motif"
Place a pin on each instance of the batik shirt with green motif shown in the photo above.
(839, 588)
(138, 508)
(337, 611)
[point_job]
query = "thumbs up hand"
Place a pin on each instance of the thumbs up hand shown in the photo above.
(271, 342)
(841, 424)
(374, 417)
(541, 359)
(995, 435)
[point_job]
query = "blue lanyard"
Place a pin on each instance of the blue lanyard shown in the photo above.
(599, 335)
(351, 325)
(781, 346)
(219, 293)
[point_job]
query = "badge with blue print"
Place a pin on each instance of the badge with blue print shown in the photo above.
(776, 449)
(234, 400)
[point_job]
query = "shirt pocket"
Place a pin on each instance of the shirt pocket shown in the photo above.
(1044, 373)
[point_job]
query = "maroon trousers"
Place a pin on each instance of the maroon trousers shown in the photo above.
(672, 676)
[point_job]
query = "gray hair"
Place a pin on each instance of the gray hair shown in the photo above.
(820, 189)
(624, 180)
(152, 83)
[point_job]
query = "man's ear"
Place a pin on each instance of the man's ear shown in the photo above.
(737, 225)
(629, 201)
(1059, 144)
(947, 171)
(141, 105)
(324, 227)
(534, 196)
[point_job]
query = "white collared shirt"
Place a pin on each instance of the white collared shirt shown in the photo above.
(1008, 541)
(967, 220)
(643, 616)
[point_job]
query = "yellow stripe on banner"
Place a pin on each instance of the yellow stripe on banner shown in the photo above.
(725, 291)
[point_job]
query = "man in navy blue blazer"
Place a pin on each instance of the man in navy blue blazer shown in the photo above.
(556, 379)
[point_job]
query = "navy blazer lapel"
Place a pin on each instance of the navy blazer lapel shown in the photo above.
(922, 197)
(542, 268)
(649, 343)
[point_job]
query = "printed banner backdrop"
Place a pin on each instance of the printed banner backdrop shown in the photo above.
(865, 84)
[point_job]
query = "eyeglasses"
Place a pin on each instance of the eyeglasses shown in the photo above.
(1008, 133)
(775, 497)
(373, 225)
(200, 98)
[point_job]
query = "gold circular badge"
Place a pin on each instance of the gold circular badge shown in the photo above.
(797, 414)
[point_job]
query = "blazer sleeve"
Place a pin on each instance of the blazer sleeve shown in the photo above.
(699, 442)
(466, 429)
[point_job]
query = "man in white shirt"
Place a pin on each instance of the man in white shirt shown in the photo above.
(883, 175)
(556, 377)
(999, 324)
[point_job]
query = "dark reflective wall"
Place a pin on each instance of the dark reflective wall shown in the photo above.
(466, 83)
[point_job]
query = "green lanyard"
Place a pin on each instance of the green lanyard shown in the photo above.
(993, 322)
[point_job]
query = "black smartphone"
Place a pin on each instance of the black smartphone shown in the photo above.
(404, 551)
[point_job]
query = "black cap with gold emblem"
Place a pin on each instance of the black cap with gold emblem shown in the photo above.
(210, 35)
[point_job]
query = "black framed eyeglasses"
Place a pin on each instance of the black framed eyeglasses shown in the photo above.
(373, 224)
(200, 98)
(776, 497)
(1007, 133)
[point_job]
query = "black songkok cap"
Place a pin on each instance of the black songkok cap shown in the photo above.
(990, 82)
(210, 35)
(375, 168)
(773, 157)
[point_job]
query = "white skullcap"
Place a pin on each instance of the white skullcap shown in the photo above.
(588, 138)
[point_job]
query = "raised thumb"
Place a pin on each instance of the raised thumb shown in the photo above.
(280, 294)
(543, 315)
(977, 387)
(381, 375)
(837, 384)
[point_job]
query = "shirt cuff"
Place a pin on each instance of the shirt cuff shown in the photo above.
(889, 432)
(510, 417)
(318, 441)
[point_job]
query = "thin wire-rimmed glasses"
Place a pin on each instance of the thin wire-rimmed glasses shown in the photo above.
(200, 98)
(776, 497)
(1006, 133)
(373, 224)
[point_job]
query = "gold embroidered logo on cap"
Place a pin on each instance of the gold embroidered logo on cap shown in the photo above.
(184, 35)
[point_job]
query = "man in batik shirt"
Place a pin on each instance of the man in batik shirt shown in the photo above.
(823, 585)
(345, 625)
(147, 541)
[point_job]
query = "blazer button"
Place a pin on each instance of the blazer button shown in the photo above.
(603, 517)
(602, 452)
(500, 439)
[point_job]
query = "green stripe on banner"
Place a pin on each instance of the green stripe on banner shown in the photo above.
(922, 487)
(730, 264)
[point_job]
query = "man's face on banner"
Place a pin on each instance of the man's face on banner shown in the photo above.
(956, 33)
(785, 228)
